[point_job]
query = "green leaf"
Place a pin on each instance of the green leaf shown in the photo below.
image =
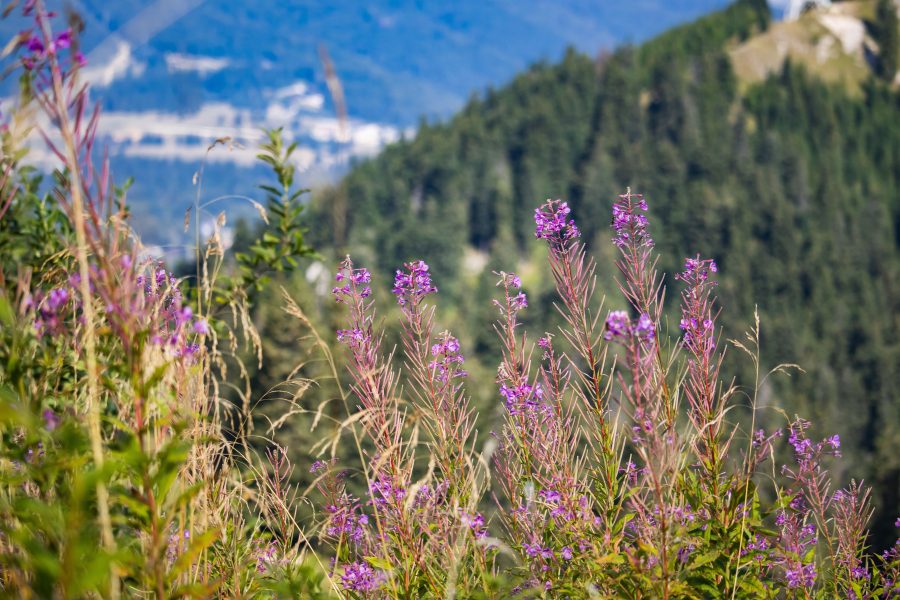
(379, 563)
(705, 559)
(7, 316)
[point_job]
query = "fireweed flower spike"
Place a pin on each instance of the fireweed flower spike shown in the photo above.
(374, 382)
(642, 289)
(808, 502)
(414, 522)
(645, 390)
(639, 283)
(412, 283)
(144, 300)
(435, 365)
(353, 289)
(574, 276)
(698, 324)
(618, 326)
(697, 317)
(535, 461)
(852, 512)
(637, 263)
(630, 223)
(552, 223)
(447, 359)
(355, 281)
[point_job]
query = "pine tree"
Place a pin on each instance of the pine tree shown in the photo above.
(887, 35)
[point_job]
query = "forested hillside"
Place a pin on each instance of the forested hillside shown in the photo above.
(791, 185)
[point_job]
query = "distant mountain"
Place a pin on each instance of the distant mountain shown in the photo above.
(835, 44)
(397, 60)
(173, 75)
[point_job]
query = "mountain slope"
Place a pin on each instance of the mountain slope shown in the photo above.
(397, 60)
(173, 75)
(791, 184)
(832, 44)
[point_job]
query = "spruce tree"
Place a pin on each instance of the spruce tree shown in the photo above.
(887, 36)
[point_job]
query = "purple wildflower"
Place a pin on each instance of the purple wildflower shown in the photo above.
(509, 280)
(801, 575)
(385, 492)
(759, 438)
(522, 398)
(266, 554)
(631, 472)
(359, 577)
(414, 284)
(51, 419)
(644, 329)
(162, 278)
(57, 298)
(360, 276)
(344, 520)
(63, 40)
(35, 45)
(531, 550)
(806, 452)
(552, 222)
(519, 301)
(201, 326)
(447, 358)
(475, 523)
(351, 337)
(629, 224)
(759, 546)
(551, 496)
(618, 325)
(697, 270)
(187, 350)
(515, 300)
(358, 280)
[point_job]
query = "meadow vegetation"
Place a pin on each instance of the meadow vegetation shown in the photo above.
(789, 182)
(133, 462)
